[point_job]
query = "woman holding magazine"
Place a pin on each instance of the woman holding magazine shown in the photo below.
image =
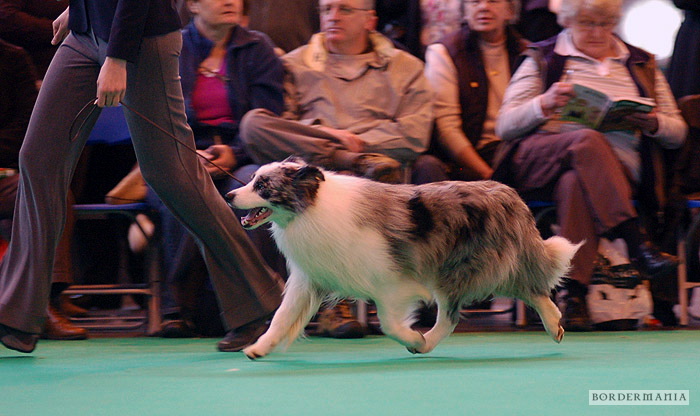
(591, 175)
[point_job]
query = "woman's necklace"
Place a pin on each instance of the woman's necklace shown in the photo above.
(210, 73)
(215, 60)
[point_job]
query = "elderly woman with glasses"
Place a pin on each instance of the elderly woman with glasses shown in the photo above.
(592, 176)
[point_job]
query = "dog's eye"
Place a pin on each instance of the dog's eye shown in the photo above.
(258, 186)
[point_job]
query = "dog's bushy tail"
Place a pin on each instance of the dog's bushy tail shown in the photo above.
(558, 252)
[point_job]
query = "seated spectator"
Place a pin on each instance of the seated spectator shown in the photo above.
(469, 71)
(355, 103)
(28, 24)
(591, 175)
(18, 93)
(226, 71)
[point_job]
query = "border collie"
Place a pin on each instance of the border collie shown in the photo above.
(451, 243)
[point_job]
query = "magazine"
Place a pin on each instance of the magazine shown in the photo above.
(597, 110)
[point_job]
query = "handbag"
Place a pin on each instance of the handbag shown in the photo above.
(617, 297)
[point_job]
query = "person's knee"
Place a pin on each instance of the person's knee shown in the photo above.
(253, 122)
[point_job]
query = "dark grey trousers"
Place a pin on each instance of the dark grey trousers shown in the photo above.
(246, 288)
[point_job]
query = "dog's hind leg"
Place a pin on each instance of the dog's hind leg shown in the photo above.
(447, 320)
(394, 306)
(550, 315)
(299, 303)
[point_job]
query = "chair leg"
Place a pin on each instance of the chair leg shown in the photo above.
(154, 300)
(682, 279)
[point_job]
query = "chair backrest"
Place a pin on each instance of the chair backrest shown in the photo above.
(110, 127)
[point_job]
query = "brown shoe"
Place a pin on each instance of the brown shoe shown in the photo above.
(60, 328)
(377, 167)
(339, 322)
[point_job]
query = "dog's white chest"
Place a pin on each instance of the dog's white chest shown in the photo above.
(342, 261)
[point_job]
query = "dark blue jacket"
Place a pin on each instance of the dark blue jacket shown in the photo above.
(123, 23)
(255, 77)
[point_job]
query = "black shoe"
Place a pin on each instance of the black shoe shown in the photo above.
(655, 264)
(17, 340)
(663, 311)
(243, 336)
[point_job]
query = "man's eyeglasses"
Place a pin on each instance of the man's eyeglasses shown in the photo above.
(590, 24)
(474, 3)
(343, 9)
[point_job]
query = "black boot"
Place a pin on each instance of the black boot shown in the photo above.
(655, 264)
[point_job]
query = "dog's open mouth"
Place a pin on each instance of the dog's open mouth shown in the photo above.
(256, 217)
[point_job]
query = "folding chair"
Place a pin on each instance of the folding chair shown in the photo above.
(111, 128)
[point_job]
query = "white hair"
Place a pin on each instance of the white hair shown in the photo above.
(570, 9)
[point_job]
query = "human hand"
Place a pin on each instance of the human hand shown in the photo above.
(349, 140)
(647, 122)
(222, 155)
(111, 82)
(60, 28)
(556, 97)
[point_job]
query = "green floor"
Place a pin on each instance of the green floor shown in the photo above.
(497, 373)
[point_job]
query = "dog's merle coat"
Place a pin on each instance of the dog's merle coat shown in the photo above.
(448, 242)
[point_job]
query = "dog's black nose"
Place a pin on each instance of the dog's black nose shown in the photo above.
(229, 196)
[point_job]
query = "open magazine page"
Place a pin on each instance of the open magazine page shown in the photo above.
(614, 119)
(597, 110)
(587, 107)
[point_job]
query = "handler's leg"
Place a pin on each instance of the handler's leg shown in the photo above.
(246, 288)
(47, 161)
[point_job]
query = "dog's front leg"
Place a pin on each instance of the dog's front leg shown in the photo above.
(394, 307)
(550, 315)
(299, 303)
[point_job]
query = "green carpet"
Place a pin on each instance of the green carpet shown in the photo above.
(499, 373)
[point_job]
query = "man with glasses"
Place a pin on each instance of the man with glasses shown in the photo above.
(355, 103)
(592, 175)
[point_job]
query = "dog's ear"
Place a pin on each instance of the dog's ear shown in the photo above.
(309, 172)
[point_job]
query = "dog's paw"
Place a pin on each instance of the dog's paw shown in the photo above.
(559, 336)
(253, 353)
(420, 348)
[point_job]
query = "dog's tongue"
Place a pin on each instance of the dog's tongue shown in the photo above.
(255, 216)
